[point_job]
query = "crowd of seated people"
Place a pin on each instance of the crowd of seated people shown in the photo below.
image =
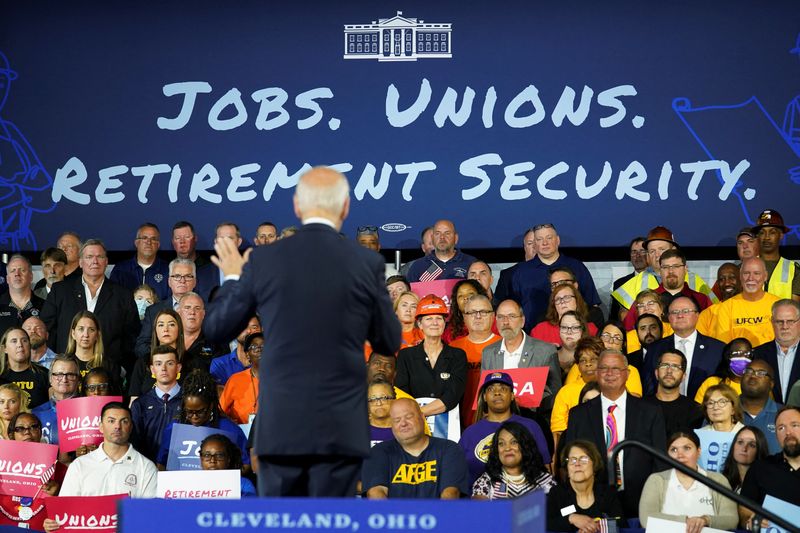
(679, 360)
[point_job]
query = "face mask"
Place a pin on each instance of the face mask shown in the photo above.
(738, 364)
(141, 306)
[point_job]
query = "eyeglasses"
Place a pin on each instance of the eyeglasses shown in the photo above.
(570, 329)
(638, 253)
(670, 268)
(361, 230)
(380, 399)
(500, 318)
(178, 277)
(682, 312)
(96, 387)
(610, 337)
(195, 413)
(64, 376)
(148, 239)
(257, 348)
(647, 305)
(610, 369)
(757, 373)
(670, 366)
(27, 429)
(208, 456)
(582, 460)
(785, 323)
(563, 299)
(742, 353)
(722, 402)
(477, 313)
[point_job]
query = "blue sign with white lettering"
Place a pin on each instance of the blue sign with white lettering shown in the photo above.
(184, 445)
(331, 514)
(495, 116)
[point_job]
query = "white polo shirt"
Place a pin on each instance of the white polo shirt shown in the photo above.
(95, 474)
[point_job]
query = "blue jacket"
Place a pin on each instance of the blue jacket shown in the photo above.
(129, 274)
(47, 416)
(150, 416)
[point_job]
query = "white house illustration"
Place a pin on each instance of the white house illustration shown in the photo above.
(398, 38)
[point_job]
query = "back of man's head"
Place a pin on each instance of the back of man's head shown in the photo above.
(322, 192)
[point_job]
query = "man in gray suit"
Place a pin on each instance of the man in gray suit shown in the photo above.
(517, 350)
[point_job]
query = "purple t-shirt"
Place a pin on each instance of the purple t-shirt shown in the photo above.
(377, 435)
(477, 439)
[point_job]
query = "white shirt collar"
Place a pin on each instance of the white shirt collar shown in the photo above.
(319, 220)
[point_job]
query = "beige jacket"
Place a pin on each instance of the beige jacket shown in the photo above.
(654, 493)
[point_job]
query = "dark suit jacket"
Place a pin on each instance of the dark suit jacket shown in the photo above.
(319, 297)
(643, 422)
(115, 309)
(207, 280)
(705, 360)
(769, 353)
(534, 353)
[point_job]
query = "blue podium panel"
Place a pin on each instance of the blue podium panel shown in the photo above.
(283, 514)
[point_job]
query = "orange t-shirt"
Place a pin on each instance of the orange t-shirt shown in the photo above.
(240, 398)
(474, 352)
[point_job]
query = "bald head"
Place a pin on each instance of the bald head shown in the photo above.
(408, 424)
(753, 273)
(322, 192)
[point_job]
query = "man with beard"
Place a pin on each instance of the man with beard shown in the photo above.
(444, 261)
(649, 329)
(518, 350)
(680, 413)
(54, 263)
(639, 263)
(728, 283)
(673, 279)
(37, 331)
(783, 275)
(747, 314)
(777, 475)
(758, 408)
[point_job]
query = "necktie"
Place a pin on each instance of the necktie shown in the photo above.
(682, 347)
(165, 399)
(612, 438)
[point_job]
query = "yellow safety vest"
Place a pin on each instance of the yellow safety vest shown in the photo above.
(627, 292)
(780, 283)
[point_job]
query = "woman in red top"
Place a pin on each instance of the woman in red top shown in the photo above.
(563, 298)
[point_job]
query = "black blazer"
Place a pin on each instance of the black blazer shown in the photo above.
(768, 352)
(446, 381)
(115, 309)
(643, 422)
(319, 297)
(705, 360)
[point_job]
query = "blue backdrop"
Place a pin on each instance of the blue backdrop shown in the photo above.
(603, 119)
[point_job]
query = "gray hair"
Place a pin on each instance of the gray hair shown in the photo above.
(179, 261)
(787, 302)
(92, 242)
(330, 198)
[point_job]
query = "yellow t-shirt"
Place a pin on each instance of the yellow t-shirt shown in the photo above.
(737, 317)
(714, 380)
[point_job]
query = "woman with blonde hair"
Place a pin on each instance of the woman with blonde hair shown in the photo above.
(13, 401)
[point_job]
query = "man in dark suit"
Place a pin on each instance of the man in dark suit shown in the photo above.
(319, 297)
(615, 416)
(209, 276)
(518, 350)
(112, 303)
(786, 324)
(703, 354)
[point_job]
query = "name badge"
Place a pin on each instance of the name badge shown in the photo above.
(568, 510)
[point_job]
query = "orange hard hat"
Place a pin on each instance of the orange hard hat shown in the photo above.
(431, 305)
(770, 217)
(660, 233)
